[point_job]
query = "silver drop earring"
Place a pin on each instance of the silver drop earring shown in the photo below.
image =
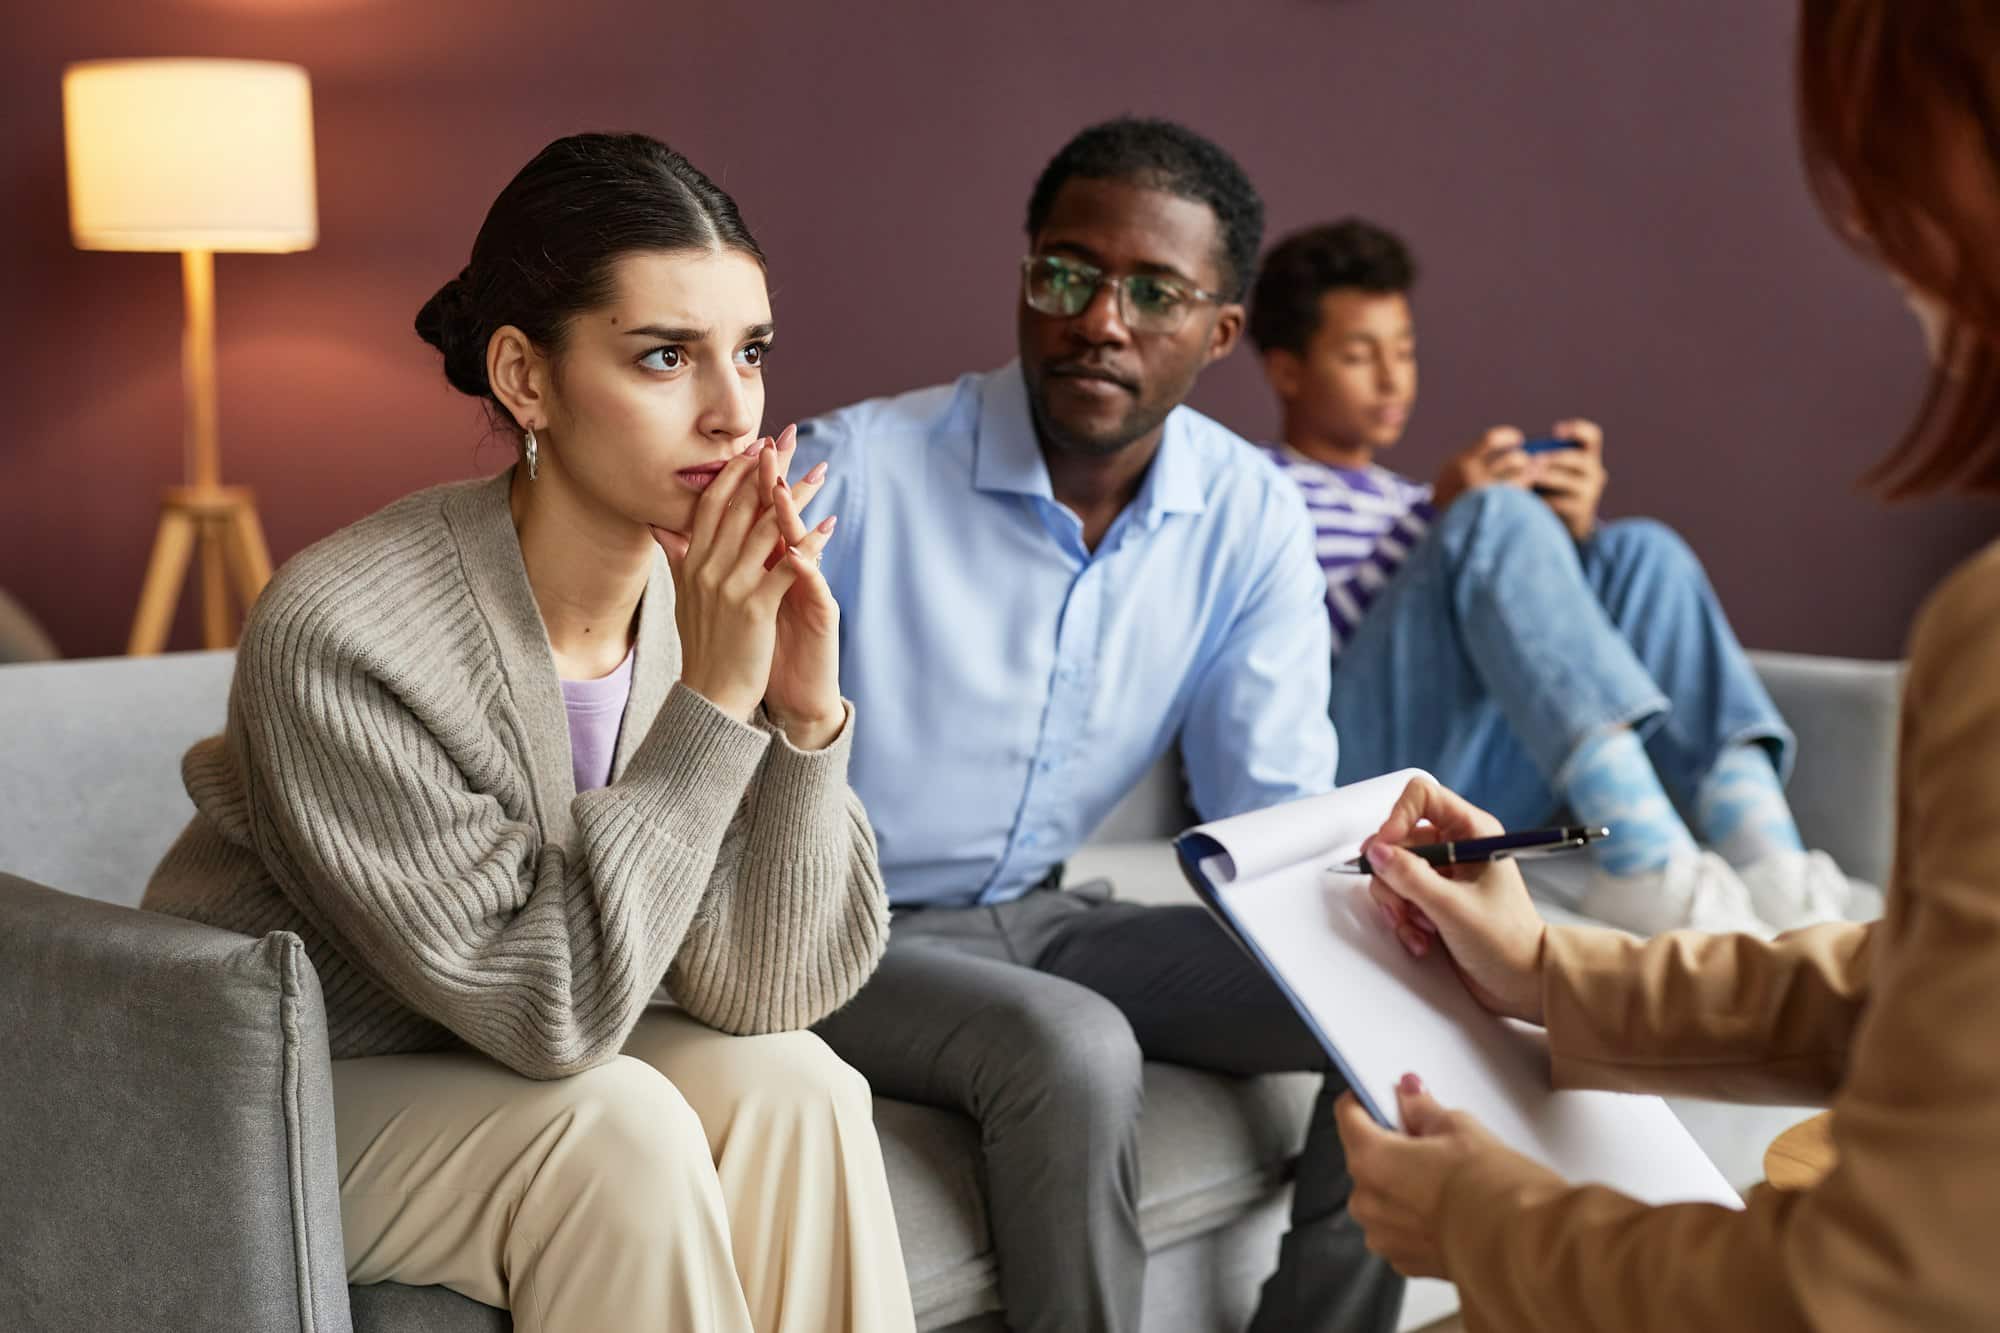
(528, 447)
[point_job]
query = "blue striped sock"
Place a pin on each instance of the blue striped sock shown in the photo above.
(1741, 810)
(1612, 782)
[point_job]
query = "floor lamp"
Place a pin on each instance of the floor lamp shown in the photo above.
(197, 156)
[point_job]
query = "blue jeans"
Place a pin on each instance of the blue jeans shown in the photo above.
(1503, 644)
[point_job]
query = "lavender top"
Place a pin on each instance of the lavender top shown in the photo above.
(595, 708)
(1365, 523)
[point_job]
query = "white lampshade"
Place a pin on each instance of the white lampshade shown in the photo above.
(189, 155)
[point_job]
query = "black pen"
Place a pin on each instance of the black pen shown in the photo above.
(1508, 846)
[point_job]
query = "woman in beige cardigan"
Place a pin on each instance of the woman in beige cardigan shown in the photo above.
(511, 754)
(1896, 1023)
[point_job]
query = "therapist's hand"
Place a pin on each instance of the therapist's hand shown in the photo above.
(1400, 1178)
(1481, 913)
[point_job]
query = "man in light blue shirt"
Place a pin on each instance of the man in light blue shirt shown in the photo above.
(1050, 576)
(1017, 682)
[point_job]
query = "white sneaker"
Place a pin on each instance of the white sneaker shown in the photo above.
(1691, 892)
(1794, 889)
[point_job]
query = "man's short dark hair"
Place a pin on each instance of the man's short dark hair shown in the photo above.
(1161, 155)
(1350, 254)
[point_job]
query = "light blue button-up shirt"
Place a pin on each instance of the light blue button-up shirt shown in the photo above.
(1010, 684)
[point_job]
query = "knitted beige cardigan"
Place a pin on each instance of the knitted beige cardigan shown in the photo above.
(394, 785)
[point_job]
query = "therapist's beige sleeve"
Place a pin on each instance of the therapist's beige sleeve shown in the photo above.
(1897, 1023)
(697, 1182)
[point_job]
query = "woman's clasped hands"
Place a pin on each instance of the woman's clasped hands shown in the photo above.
(757, 622)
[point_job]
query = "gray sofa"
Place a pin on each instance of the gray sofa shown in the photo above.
(166, 1113)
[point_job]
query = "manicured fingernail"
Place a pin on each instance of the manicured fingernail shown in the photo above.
(817, 474)
(1388, 916)
(757, 448)
(826, 524)
(789, 436)
(1411, 1084)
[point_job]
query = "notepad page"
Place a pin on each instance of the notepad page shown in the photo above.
(1389, 1014)
(1329, 827)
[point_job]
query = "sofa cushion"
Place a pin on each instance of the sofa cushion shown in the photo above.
(168, 1111)
(1843, 789)
(91, 774)
(1211, 1148)
(391, 1307)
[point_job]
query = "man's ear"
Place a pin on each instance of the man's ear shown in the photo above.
(1228, 331)
(1284, 372)
(519, 375)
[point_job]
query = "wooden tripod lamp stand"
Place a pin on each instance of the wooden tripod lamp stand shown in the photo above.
(195, 156)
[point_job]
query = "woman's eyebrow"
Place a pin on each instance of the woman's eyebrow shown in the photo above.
(666, 334)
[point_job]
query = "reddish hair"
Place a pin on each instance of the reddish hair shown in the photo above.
(1899, 119)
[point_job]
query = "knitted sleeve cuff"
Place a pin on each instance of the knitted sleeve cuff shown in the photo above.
(810, 786)
(689, 775)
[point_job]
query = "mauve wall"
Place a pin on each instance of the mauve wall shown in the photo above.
(1605, 198)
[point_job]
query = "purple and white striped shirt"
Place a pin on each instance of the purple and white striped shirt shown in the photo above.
(1366, 521)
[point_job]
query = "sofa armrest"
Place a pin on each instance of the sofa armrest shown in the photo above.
(1847, 714)
(167, 1109)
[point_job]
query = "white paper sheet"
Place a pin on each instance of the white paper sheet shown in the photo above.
(1388, 1014)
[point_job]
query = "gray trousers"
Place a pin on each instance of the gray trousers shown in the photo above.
(1033, 1017)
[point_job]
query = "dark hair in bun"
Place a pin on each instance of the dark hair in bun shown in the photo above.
(447, 323)
(545, 251)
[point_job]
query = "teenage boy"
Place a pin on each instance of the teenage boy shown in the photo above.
(1490, 628)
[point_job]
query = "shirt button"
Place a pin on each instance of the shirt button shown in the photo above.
(1027, 840)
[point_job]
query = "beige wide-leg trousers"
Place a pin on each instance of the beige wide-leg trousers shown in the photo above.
(698, 1183)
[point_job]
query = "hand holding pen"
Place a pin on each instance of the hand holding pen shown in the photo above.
(1505, 847)
(1479, 910)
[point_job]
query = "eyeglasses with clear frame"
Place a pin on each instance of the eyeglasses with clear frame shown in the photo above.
(1147, 302)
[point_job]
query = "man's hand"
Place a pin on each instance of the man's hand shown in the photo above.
(1572, 480)
(1496, 460)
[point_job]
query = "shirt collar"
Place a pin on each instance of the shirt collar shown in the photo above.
(1008, 458)
(1174, 484)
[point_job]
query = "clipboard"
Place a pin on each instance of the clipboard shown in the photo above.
(1378, 1013)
